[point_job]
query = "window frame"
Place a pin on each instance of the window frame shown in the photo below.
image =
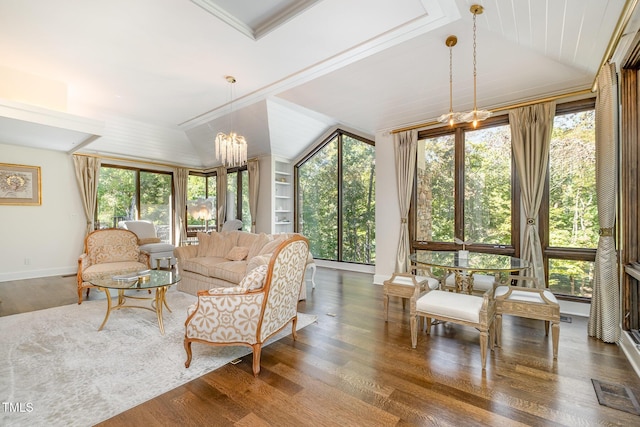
(459, 185)
(338, 133)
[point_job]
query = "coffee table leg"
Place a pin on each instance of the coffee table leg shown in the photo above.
(160, 301)
(106, 317)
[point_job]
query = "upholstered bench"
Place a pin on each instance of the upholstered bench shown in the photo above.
(463, 309)
(531, 303)
(406, 286)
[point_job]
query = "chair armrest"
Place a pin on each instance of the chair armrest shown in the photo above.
(233, 290)
(145, 258)
(185, 252)
(542, 293)
(83, 262)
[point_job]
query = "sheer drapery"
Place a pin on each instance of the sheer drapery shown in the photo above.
(221, 195)
(405, 149)
(254, 184)
(531, 128)
(180, 179)
(604, 319)
(87, 174)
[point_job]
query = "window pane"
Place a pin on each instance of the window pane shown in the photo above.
(571, 277)
(246, 213)
(318, 201)
(573, 214)
(232, 196)
(155, 202)
(435, 206)
(487, 197)
(212, 191)
(200, 209)
(358, 206)
(116, 196)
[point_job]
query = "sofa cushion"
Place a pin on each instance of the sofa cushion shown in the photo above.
(244, 238)
(257, 245)
(215, 244)
(257, 261)
(231, 271)
(237, 253)
(270, 247)
(200, 265)
(254, 279)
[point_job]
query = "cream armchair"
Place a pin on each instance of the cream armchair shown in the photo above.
(249, 314)
(106, 253)
(161, 253)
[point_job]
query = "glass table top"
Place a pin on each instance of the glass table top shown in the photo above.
(474, 261)
(147, 279)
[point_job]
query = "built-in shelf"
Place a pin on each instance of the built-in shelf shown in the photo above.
(282, 196)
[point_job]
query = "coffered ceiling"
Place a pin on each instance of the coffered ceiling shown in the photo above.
(145, 79)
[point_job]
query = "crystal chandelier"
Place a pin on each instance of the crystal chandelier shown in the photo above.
(474, 116)
(451, 117)
(231, 148)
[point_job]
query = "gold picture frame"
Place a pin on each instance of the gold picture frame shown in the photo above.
(20, 185)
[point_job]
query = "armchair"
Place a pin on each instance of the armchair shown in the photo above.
(159, 252)
(108, 252)
(249, 314)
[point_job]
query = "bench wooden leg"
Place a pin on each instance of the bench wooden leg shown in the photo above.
(484, 340)
(498, 329)
(555, 336)
(385, 301)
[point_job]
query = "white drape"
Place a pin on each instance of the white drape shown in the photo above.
(180, 178)
(604, 319)
(253, 168)
(87, 175)
(531, 128)
(405, 148)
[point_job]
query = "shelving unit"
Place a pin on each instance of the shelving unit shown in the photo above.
(283, 197)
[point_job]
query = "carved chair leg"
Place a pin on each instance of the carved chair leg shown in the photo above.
(257, 349)
(385, 301)
(187, 347)
(555, 336)
(414, 330)
(498, 328)
(484, 340)
(294, 333)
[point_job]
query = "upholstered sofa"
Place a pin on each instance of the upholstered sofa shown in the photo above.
(223, 259)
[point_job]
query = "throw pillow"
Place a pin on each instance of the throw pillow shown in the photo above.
(203, 244)
(259, 241)
(148, 240)
(254, 279)
(220, 244)
(237, 253)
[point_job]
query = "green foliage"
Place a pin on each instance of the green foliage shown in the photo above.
(318, 201)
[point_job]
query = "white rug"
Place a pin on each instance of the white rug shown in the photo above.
(57, 369)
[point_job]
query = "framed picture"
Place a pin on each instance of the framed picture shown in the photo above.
(20, 185)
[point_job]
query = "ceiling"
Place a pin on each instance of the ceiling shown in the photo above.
(146, 79)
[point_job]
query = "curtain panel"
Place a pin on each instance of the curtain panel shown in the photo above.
(604, 319)
(87, 175)
(180, 179)
(405, 149)
(253, 168)
(221, 195)
(531, 128)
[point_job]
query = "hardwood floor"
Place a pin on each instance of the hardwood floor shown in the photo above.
(353, 369)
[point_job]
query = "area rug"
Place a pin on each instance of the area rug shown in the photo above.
(56, 369)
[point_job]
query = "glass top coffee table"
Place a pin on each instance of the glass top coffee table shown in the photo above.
(146, 280)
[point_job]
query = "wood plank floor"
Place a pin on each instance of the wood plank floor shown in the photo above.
(353, 369)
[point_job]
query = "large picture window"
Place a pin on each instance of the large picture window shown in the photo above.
(465, 189)
(335, 199)
(135, 194)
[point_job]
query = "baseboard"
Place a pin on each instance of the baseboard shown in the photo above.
(631, 351)
(360, 268)
(35, 274)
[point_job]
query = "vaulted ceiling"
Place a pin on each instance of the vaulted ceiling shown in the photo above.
(146, 79)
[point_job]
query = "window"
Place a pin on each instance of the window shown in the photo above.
(465, 188)
(135, 194)
(570, 224)
(335, 199)
(201, 203)
(238, 197)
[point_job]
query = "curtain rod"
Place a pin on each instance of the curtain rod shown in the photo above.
(625, 17)
(507, 107)
(147, 162)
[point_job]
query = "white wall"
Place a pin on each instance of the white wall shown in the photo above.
(265, 199)
(46, 240)
(387, 208)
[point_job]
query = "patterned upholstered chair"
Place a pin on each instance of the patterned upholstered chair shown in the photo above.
(106, 253)
(263, 303)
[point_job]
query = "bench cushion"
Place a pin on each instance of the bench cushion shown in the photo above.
(453, 305)
(406, 281)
